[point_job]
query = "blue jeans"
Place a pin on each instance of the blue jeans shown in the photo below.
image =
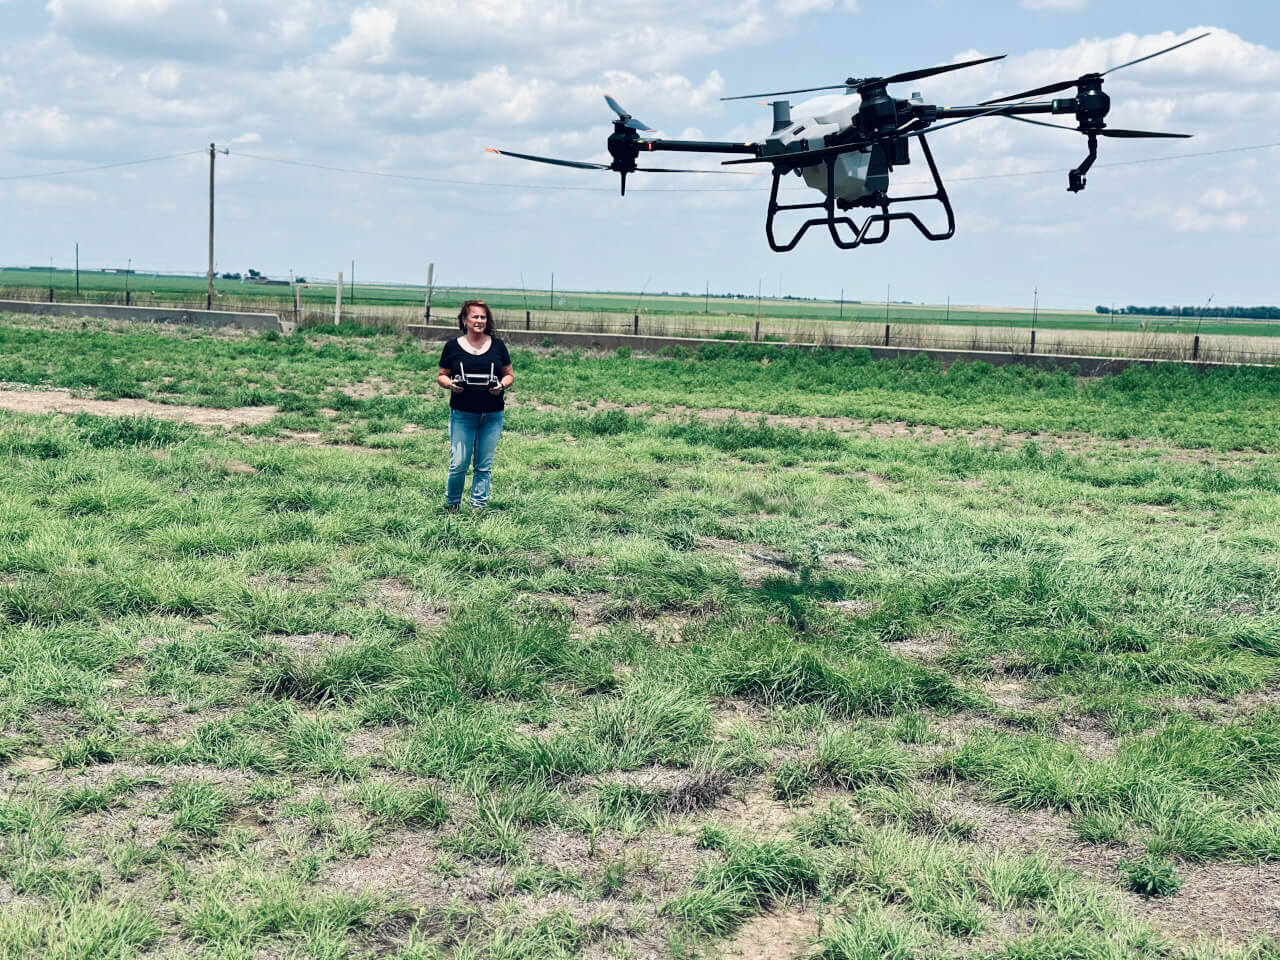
(471, 433)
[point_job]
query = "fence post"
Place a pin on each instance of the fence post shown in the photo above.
(526, 320)
(337, 303)
(635, 324)
(757, 331)
(886, 334)
(297, 305)
(1195, 348)
(1033, 341)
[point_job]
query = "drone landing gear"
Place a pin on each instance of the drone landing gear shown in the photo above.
(864, 234)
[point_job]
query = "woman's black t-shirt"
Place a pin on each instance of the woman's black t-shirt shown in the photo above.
(475, 400)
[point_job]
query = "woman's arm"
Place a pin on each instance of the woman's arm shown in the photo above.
(445, 379)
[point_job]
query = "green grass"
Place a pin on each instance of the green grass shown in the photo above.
(260, 694)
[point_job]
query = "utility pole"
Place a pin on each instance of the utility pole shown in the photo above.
(431, 277)
(842, 303)
(1203, 310)
(213, 152)
(552, 304)
(127, 270)
(77, 268)
(887, 288)
(353, 283)
(706, 303)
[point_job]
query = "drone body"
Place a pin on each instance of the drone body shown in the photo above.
(849, 150)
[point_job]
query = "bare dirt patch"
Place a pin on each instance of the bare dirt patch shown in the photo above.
(1236, 902)
(368, 389)
(313, 644)
(927, 649)
(852, 608)
(407, 602)
(755, 563)
(1009, 693)
(782, 935)
(758, 813)
(310, 579)
(159, 718)
(1088, 734)
(29, 766)
(371, 742)
(1230, 901)
(61, 401)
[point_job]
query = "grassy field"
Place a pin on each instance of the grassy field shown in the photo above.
(148, 288)
(756, 653)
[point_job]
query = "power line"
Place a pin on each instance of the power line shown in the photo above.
(104, 166)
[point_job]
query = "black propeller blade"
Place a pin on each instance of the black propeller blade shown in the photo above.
(1068, 84)
(858, 84)
(625, 117)
(1140, 134)
(783, 93)
(596, 166)
(933, 71)
(1109, 132)
(559, 163)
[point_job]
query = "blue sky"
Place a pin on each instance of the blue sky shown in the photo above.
(419, 87)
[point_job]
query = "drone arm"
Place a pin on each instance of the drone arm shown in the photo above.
(1067, 105)
(700, 146)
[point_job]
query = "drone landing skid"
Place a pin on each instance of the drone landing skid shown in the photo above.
(866, 234)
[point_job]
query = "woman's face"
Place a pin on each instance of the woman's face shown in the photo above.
(477, 320)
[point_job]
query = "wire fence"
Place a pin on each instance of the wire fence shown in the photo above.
(895, 326)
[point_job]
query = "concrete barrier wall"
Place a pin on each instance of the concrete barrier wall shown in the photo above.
(106, 311)
(1086, 366)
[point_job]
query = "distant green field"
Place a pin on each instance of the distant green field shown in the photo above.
(24, 283)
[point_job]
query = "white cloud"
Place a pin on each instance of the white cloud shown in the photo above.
(371, 39)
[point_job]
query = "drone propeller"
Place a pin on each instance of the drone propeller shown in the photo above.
(559, 163)
(1067, 84)
(626, 118)
(875, 81)
(623, 171)
(1108, 131)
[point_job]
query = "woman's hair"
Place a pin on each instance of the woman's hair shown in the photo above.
(466, 308)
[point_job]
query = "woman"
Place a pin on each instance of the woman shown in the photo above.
(476, 369)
